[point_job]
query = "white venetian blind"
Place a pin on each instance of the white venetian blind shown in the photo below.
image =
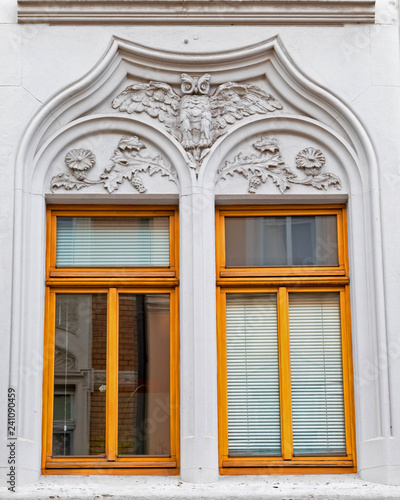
(316, 374)
(112, 241)
(253, 374)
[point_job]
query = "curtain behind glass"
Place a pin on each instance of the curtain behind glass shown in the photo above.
(253, 374)
(316, 374)
(112, 241)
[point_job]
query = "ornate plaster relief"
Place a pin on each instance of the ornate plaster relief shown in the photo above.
(195, 118)
(265, 66)
(269, 164)
(127, 163)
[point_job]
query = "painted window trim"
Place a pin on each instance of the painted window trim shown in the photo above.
(98, 281)
(253, 280)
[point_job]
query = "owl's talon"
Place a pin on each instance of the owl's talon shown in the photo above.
(204, 143)
(187, 144)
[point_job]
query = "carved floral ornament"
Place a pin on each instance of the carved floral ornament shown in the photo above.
(269, 164)
(127, 163)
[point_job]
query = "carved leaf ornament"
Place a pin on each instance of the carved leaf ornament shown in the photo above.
(127, 163)
(269, 164)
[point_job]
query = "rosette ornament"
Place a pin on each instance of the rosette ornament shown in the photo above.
(311, 160)
(80, 161)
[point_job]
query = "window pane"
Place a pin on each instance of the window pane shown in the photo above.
(253, 374)
(144, 375)
(79, 414)
(316, 374)
(281, 241)
(112, 241)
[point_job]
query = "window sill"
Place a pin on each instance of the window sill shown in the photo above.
(162, 488)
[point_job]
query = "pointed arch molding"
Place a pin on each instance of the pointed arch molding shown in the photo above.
(309, 110)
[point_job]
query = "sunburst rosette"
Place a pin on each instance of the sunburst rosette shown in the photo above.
(80, 161)
(310, 160)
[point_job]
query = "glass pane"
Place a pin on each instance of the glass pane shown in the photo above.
(144, 375)
(112, 241)
(281, 241)
(79, 415)
(253, 375)
(316, 374)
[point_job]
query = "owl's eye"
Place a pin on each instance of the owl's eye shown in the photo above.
(187, 86)
(204, 84)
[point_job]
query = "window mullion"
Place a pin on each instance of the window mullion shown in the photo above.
(112, 376)
(284, 374)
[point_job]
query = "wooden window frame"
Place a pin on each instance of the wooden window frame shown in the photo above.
(283, 281)
(112, 282)
(153, 273)
(270, 273)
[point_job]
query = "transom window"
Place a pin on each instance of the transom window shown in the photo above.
(284, 346)
(292, 240)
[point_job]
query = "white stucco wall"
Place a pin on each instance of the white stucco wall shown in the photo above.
(357, 64)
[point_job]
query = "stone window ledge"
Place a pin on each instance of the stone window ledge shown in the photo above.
(217, 12)
(300, 487)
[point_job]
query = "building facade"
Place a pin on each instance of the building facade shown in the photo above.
(199, 240)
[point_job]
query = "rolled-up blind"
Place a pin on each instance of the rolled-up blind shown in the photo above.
(316, 374)
(112, 241)
(253, 374)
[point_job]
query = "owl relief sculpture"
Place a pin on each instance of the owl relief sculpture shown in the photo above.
(195, 118)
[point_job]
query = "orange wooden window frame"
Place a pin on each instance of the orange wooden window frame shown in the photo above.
(282, 281)
(272, 272)
(112, 283)
(112, 272)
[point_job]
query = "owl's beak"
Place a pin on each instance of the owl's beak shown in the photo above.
(196, 86)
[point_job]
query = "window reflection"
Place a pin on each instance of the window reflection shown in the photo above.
(80, 375)
(143, 380)
(281, 241)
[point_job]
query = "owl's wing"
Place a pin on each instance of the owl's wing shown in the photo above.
(234, 101)
(157, 99)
